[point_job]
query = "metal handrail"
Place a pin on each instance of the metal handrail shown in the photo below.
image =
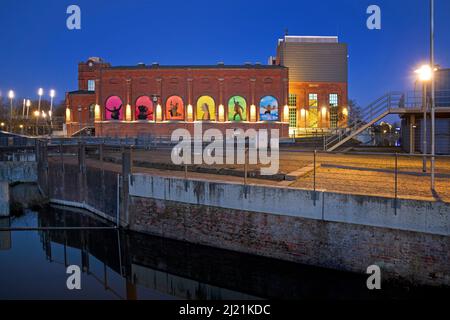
(373, 110)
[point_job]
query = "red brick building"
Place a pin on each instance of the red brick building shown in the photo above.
(318, 82)
(152, 99)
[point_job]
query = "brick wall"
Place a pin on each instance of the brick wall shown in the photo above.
(411, 256)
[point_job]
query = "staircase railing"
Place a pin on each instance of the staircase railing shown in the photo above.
(374, 110)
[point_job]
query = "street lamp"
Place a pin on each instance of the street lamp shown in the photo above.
(52, 95)
(425, 74)
(28, 106)
(36, 114)
(11, 98)
(433, 141)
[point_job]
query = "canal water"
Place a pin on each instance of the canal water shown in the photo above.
(127, 265)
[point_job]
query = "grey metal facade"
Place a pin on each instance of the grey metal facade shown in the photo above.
(314, 61)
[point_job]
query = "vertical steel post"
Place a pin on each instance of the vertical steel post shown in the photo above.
(433, 142)
(245, 165)
(396, 181)
(425, 107)
(314, 176)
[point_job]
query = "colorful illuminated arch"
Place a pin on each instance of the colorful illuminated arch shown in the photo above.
(174, 108)
(114, 108)
(206, 108)
(144, 108)
(268, 109)
(237, 109)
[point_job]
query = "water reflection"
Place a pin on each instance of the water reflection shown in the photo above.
(128, 265)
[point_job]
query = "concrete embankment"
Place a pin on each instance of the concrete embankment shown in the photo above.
(18, 186)
(409, 240)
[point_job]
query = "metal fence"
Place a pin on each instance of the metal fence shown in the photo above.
(392, 175)
(97, 174)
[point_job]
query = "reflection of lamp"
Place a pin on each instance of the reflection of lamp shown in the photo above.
(128, 113)
(158, 113)
(67, 115)
(286, 113)
(189, 112)
(97, 115)
(252, 113)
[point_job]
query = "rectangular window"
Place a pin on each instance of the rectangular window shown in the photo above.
(292, 117)
(312, 98)
(91, 85)
(313, 116)
(292, 100)
(334, 100)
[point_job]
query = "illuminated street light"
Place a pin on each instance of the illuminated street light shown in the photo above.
(425, 73)
(36, 113)
(28, 104)
(11, 98)
(40, 93)
(52, 95)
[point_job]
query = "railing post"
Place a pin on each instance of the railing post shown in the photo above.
(396, 182)
(245, 165)
(82, 171)
(314, 177)
(126, 173)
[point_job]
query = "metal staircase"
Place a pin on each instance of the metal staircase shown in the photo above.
(85, 131)
(373, 113)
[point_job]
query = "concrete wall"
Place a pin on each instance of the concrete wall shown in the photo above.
(4, 199)
(411, 215)
(343, 232)
(13, 171)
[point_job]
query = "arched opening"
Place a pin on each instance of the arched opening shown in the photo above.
(268, 109)
(114, 108)
(237, 109)
(144, 108)
(206, 108)
(174, 108)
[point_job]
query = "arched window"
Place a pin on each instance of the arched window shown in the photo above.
(206, 108)
(114, 109)
(174, 108)
(144, 108)
(237, 109)
(268, 109)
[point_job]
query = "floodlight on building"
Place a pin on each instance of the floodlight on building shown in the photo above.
(286, 113)
(221, 113)
(252, 112)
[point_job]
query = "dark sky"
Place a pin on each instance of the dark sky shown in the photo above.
(37, 50)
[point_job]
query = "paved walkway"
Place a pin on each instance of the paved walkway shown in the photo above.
(354, 174)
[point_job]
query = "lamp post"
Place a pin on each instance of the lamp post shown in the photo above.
(11, 98)
(425, 74)
(36, 114)
(52, 95)
(433, 120)
(28, 107)
(40, 93)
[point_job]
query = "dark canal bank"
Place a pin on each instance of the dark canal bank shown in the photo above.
(129, 265)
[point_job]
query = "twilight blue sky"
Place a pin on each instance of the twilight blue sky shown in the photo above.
(38, 50)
